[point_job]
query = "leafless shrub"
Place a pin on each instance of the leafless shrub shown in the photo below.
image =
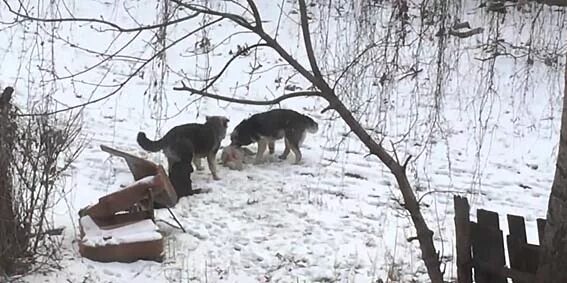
(36, 151)
(9, 230)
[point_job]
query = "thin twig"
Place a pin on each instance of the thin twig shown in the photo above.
(352, 63)
(227, 64)
(405, 165)
(395, 153)
(441, 192)
(330, 107)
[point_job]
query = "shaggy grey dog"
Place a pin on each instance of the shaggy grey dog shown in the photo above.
(190, 142)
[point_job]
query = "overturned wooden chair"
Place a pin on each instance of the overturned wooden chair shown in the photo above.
(121, 226)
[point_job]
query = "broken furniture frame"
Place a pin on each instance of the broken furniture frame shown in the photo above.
(131, 206)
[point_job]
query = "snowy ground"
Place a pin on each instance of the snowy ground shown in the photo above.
(334, 218)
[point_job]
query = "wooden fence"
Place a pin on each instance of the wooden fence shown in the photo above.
(480, 247)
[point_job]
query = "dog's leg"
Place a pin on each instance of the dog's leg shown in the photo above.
(297, 153)
(301, 139)
(172, 161)
(180, 178)
(197, 162)
(181, 152)
(262, 144)
(294, 140)
(286, 149)
(272, 147)
(212, 165)
(179, 172)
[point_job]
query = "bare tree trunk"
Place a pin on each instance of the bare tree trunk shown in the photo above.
(424, 234)
(553, 259)
(398, 168)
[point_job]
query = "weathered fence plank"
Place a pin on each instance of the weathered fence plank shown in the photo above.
(515, 240)
(488, 247)
(463, 234)
(486, 241)
(540, 229)
(522, 257)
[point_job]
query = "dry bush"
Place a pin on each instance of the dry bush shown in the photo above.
(35, 152)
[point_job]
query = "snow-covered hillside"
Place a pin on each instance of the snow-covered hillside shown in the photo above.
(337, 217)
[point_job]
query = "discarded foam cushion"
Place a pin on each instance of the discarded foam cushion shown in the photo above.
(125, 242)
(139, 231)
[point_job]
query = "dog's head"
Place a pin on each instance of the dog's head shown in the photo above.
(241, 135)
(218, 122)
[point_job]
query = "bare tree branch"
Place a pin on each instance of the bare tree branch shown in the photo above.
(395, 153)
(352, 63)
(320, 82)
(94, 20)
(227, 64)
(465, 34)
(405, 165)
(330, 107)
(99, 63)
(256, 13)
(277, 100)
(122, 84)
(260, 32)
(201, 9)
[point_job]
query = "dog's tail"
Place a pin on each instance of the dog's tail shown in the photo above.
(149, 145)
(312, 126)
